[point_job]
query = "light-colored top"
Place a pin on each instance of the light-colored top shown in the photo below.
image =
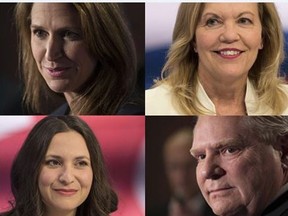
(158, 101)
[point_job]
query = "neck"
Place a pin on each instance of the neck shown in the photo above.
(228, 96)
(70, 96)
(61, 213)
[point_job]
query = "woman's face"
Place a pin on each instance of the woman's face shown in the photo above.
(58, 48)
(66, 174)
(228, 38)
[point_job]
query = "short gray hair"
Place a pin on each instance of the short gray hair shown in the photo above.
(266, 128)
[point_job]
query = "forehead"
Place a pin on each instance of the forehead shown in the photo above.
(210, 131)
(230, 8)
(69, 143)
(54, 14)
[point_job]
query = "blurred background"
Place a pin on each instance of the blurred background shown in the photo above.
(171, 187)
(10, 81)
(160, 19)
(121, 139)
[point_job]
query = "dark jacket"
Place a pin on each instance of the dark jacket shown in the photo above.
(278, 207)
(127, 109)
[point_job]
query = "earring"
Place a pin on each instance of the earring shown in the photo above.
(195, 50)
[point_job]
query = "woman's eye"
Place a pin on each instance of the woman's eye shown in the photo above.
(244, 20)
(40, 33)
(72, 35)
(81, 163)
(53, 163)
(212, 22)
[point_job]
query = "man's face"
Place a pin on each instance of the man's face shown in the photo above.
(236, 173)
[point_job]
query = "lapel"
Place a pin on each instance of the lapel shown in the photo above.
(278, 207)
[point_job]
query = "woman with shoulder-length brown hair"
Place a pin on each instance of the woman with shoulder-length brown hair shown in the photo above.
(60, 170)
(224, 60)
(82, 51)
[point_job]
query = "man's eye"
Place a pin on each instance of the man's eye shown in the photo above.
(230, 151)
(201, 157)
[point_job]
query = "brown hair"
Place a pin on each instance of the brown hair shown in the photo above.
(108, 40)
(101, 200)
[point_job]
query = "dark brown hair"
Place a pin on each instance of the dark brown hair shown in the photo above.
(101, 200)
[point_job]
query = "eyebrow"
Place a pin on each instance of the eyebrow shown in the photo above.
(60, 158)
(227, 142)
(35, 26)
(216, 15)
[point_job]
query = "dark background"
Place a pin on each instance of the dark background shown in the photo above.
(158, 129)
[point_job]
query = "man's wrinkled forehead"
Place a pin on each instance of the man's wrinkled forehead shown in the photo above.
(215, 129)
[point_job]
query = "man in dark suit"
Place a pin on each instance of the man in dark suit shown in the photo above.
(243, 164)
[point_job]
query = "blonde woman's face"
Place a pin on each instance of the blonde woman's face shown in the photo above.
(58, 47)
(66, 174)
(228, 38)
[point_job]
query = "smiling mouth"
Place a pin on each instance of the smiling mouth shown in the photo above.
(229, 53)
(66, 192)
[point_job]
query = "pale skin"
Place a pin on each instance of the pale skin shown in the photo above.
(228, 39)
(66, 174)
(233, 167)
(58, 47)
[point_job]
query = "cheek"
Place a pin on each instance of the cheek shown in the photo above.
(86, 179)
(85, 60)
(37, 51)
(46, 178)
(204, 40)
(199, 178)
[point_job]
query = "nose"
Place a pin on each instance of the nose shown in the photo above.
(66, 176)
(54, 49)
(230, 33)
(211, 169)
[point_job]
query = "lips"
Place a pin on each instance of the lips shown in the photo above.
(57, 69)
(56, 72)
(66, 192)
(229, 53)
(219, 190)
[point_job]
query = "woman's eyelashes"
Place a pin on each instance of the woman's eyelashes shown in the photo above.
(71, 35)
(65, 34)
(216, 21)
(54, 163)
(40, 33)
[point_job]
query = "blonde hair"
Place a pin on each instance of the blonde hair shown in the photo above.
(180, 70)
(108, 40)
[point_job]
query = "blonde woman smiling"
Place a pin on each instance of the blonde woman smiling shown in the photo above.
(224, 60)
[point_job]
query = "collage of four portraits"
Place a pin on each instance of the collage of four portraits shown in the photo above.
(133, 109)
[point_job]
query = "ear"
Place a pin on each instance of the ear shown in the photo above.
(261, 45)
(194, 46)
(282, 146)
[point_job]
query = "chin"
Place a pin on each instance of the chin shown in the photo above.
(58, 89)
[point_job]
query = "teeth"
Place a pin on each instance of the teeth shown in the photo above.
(229, 52)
